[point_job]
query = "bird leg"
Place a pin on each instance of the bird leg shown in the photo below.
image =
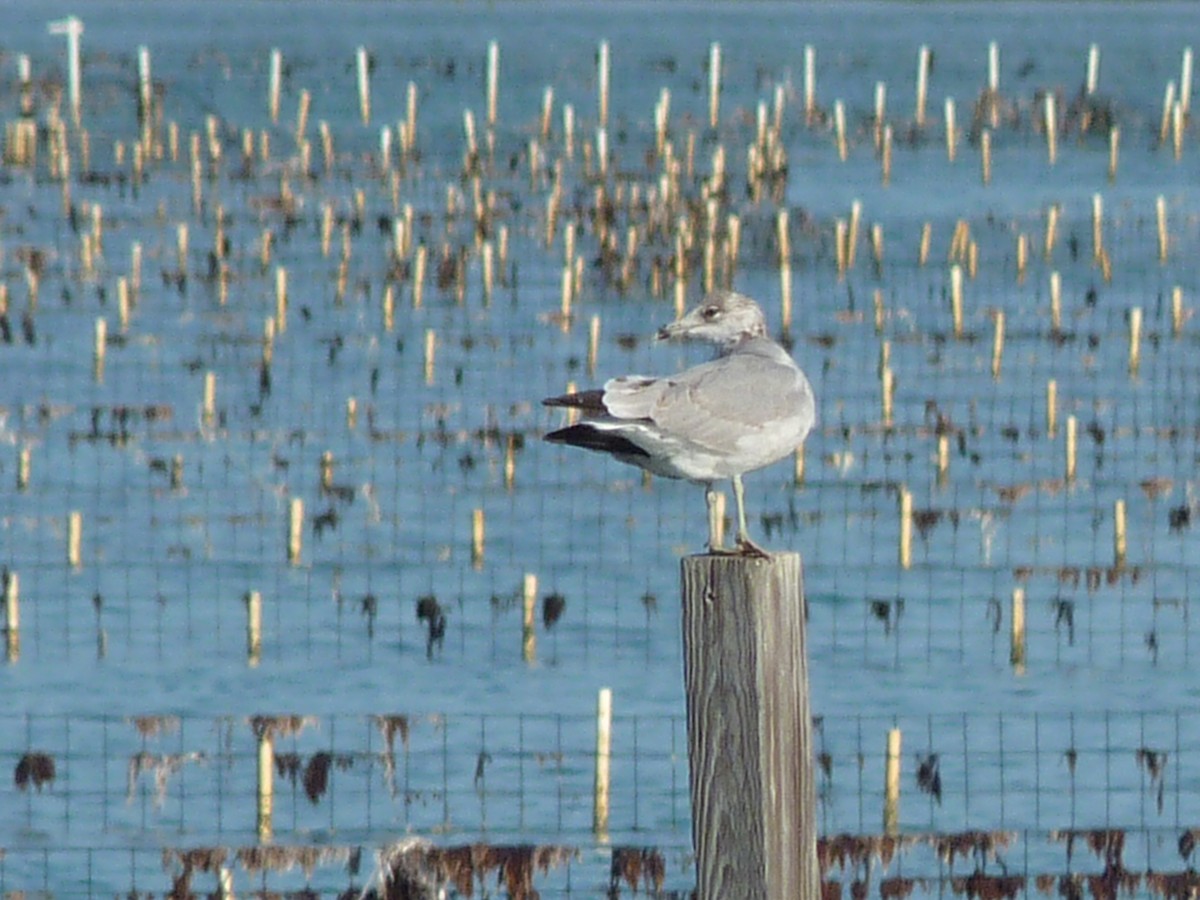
(714, 527)
(746, 546)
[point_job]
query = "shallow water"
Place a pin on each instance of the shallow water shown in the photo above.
(170, 566)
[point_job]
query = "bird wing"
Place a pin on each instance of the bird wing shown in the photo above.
(736, 398)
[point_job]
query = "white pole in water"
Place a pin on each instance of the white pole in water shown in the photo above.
(72, 27)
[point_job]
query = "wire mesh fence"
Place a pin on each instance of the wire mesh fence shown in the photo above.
(270, 363)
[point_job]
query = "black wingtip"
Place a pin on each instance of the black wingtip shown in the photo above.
(591, 438)
(593, 401)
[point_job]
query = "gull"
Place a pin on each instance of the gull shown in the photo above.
(747, 408)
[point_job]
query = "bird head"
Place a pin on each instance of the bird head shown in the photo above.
(725, 318)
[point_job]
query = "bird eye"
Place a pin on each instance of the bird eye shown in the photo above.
(710, 313)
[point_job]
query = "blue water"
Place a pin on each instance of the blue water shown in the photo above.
(500, 749)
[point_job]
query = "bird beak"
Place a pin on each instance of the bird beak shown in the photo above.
(672, 329)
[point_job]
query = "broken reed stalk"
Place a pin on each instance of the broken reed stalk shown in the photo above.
(906, 523)
(1055, 302)
(253, 628)
(603, 764)
(265, 796)
(714, 84)
(1160, 214)
(1119, 538)
(785, 268)
(839, 127)
(477, 538)
(24, 467)
(593, 343)
(1135, 340)
(493, 81)
(1071, 443)
(891, 782)
(1114, 152)
(1051, 408)
(923, 60)
(274, 84)
(749, 727)
(208, 407)
(75, 539)
(1177, 315)
(99, 345)
(951, 131)
(943, 458)
(430, 354)
(1016, 655)
(985, 156)
(998, 343)
(602, 79)
(295, 532)
(529, 586)
(12, 616)
(956, 299)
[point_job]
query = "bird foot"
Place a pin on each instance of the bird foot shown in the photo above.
(747, 547)
(743, 547)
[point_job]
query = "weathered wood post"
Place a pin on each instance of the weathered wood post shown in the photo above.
(749, 727)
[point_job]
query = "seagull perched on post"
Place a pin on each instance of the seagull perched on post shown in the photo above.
(747, 408)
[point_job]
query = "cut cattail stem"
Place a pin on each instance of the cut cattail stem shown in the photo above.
(100, 344)
(798, 466)
(926, 243)
(841, 247)
(477, 537)
(510, 462)
(275, 84)
(295, 530)
(1114, 151)
(351, 413)
(12, 615)
(784, 239)
(529, 588)
(888, 389)
(1022, 256)
(281, 299)
(1017, 644)
(603, 763)
(891, 783)
(1051, 407)
(839, 125)
(1072, 433)
(943, 457)
(998, 343)
(208, 409)
(1097, 227)
(880, 112)
(419, 264)
(75, 539)
(714, 84)
(1119, 543)
(923, 58)
(1160, 211)
(602, 77)
(1168, 107)
(363, 65)
(1135, 340)
(430, 352)
(905, 528)
(1185, 81)
(810, 83)
(886, 156)
(1051, 125)
(951, 131)
(956, 299)
(877, 300)
(389, 308)
(1051, 230)
(24, 467)
(985, 156)
(493, 80)
(1176, 310)
(593, 344)
(1093, 69)
(253, 627)
(265, 797)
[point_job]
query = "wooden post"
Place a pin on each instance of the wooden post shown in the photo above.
(1016, 655)
(12, 616)
(749, 739)
(891, 782)
(253, 627)
(528, 608)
